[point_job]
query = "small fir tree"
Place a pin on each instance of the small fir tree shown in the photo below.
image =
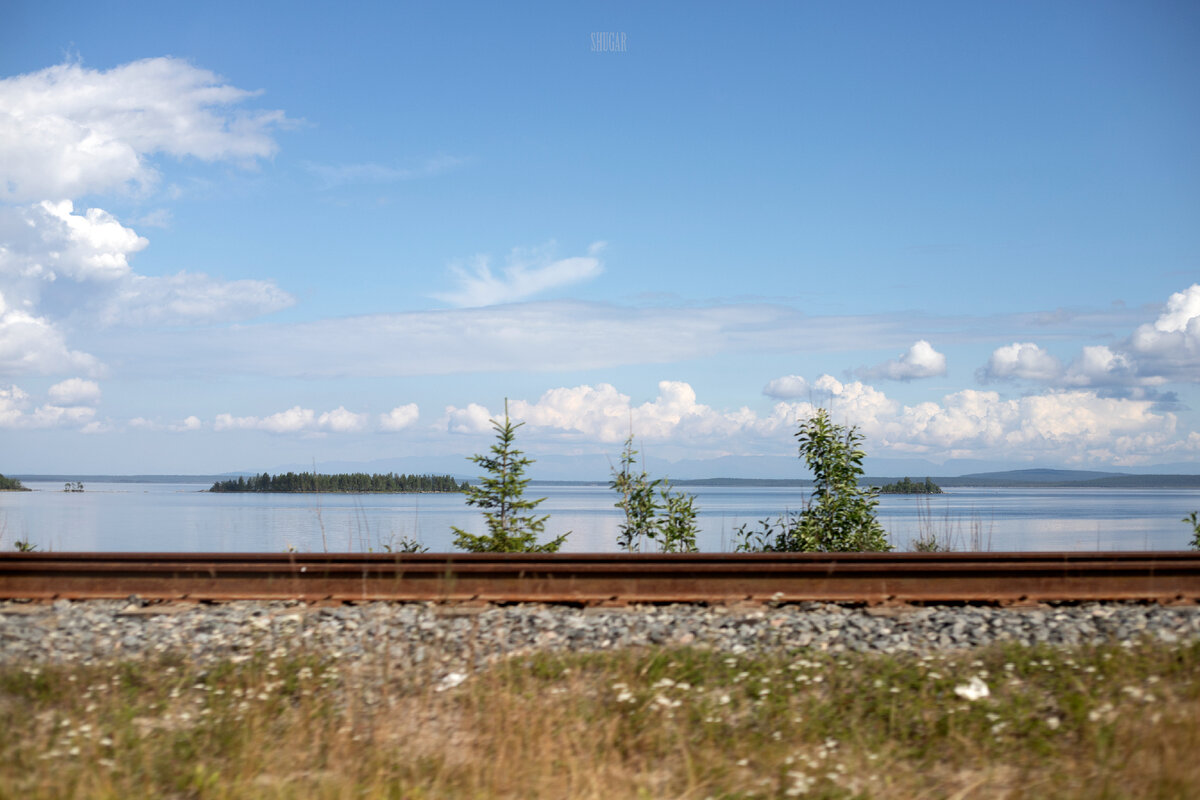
(511, 528)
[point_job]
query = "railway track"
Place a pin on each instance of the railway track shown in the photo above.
(608, 579)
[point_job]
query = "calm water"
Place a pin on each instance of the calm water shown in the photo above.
(183, 517)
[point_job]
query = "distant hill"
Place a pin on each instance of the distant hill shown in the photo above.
(1040, 475)
(1065, 478)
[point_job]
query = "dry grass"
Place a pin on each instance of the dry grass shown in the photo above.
(1084, 723)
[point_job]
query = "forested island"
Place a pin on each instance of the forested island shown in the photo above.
(345, 482)
(906, 486)
(11, 485)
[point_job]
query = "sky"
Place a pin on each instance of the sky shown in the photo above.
(262, 235)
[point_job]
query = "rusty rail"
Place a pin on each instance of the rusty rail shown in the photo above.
(593, 579)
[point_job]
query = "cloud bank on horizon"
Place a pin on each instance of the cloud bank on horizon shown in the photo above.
(237, 363)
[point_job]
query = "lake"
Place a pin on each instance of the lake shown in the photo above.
(182, 517)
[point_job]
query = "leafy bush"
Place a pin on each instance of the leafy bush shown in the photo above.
(839, 516)
(651, 512)
(1193, 519)
(500, 493)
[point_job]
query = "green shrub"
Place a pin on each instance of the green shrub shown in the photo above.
(839, 516)
(652, 510)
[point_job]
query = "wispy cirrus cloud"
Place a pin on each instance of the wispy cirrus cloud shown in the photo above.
(527, 272)
(333, 175)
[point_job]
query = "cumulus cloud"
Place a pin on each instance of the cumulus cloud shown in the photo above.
(1021, 361)
(47, 249)
(1156, 353)
(472, 419)
(186, 425)
(17, 411)
(67, 131)
(1098, 365)
(921, 361)
(88, 246)
(1170, 346)
(399, 417)
(601, 413)
(1060, 425)
(33, 345)
(295, 420)
(342, 421)
(527, 273)
(75, 391)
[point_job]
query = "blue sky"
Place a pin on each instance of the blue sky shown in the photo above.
(241, 236)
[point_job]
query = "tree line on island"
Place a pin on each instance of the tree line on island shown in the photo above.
(907, 486)
(11, 485)
(344, 482)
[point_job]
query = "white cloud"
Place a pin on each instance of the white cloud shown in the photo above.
(52, 416)
(67, 131)
(33, 345)
(921, 361)
(186, 425)
(13, 402)
(1170, 346)
(541, 336)
(75, 391)
(97, 246)
(1074, 425)
(1157, 352)
(472, 419)
(399, 417)
(14, 413)
(342, 174)
(1022, 361)
(293, 420)
(601, 413)
(1057, 426)
(189, 298)
(342, 421)
(44, 244)
(527, 273)
(789, 387)
(1098, 365)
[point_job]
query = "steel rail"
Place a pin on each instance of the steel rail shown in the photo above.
(602, 579)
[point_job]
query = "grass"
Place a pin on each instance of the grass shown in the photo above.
(951, 533)
(1092, 722)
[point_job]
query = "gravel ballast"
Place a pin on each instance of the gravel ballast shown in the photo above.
(444, 637)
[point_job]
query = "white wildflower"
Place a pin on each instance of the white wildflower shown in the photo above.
(451, 680)
(974, 689)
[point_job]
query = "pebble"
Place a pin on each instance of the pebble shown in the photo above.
(103, 631)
